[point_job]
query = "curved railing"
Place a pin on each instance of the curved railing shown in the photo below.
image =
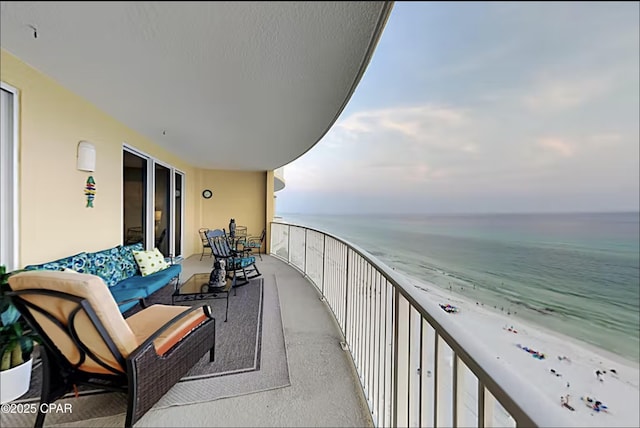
(417, 367)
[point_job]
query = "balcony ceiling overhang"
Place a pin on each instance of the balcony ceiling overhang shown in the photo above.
(223, 85)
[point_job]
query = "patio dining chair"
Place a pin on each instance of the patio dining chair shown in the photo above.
(205, 242)
(256, 242)
(236, 260)
(87, 341)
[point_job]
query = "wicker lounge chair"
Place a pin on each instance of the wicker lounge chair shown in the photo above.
(87, 341)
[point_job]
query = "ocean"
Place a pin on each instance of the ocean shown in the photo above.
(576, 274)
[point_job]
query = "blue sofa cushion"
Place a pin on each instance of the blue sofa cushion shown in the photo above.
(78, 262)
(150, 283)
(108, 265)
(122, 294)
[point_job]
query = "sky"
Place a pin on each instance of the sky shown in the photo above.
(474, 107)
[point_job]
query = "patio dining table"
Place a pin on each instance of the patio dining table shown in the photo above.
(239, 237)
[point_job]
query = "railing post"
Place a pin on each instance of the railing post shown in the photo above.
(396, 322)
(436, 377)
(324, 261)
(421, 372)
(480, 404)
(454, 392)
(289, 244)
(346, 295)
(305, 252)
(409, 368)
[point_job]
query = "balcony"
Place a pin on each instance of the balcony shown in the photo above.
(362, 350)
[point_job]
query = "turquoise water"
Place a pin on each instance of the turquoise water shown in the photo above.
(577, 274)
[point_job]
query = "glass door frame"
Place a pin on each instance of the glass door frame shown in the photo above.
(174, 210)
(9, 183)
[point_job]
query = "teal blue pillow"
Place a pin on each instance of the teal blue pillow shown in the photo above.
(108, 265)
(78, 262)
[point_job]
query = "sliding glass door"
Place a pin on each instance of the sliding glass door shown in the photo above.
(152, 203)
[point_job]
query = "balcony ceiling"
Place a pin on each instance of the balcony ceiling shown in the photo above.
(245, 86)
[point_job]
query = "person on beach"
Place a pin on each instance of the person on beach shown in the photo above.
(565, 402)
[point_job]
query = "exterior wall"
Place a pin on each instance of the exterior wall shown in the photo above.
(54, 221)
(236, 194)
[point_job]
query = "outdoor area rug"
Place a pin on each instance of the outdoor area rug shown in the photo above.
(250, 357)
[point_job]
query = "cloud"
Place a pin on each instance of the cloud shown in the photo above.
(416, 122)
(434, 152)
(406, 144)
(557, 145)
(556, 94)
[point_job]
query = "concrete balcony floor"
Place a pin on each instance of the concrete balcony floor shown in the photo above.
(312, 340)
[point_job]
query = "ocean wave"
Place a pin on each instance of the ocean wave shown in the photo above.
(540, 310)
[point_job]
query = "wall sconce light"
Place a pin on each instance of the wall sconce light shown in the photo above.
(158, 216)
(86, 156)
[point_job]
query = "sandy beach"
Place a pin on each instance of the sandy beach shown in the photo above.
(569, 367)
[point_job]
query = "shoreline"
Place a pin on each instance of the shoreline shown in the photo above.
(569, 366)
(515, 318)
(523, 314)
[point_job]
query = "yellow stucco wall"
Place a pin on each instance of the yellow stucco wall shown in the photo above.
(236, 194)
(54, 221)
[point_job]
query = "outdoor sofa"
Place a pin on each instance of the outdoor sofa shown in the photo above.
(119, 270)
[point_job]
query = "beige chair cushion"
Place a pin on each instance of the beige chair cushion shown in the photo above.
(93, 289)
(149, 320)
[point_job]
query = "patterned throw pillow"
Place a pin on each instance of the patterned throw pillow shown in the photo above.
(129, 265)
(107, 264)
(150, 261)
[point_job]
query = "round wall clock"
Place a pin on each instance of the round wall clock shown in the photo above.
(207, 194)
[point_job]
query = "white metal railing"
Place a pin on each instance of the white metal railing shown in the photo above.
(416, 366)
